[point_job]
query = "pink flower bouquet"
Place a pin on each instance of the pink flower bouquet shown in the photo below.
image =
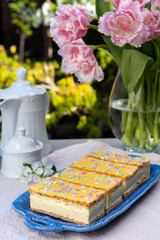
(130, 30)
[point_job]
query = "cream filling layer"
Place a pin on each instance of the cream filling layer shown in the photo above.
(143, 174)
(114, 198)
(129, 185)
(69, 210)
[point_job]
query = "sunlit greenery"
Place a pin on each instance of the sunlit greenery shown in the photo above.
(71, 103)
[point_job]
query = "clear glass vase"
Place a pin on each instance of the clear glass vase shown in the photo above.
(135, 116)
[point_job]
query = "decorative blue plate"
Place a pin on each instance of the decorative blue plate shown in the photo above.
(42, 222)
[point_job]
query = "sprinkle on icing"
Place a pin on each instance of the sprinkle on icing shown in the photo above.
(53, 187)
(114, 157)
(109, 168)
(91, 179)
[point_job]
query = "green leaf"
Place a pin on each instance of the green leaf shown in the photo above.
(133, 66)
(115, 50)
(54, 168)
(27, 165)
(148, 49)
(155, 66)
(158, 40)
(102, 7)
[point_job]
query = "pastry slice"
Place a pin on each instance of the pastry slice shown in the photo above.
(111, 185)
(142, 163)
(128, 173)
(68, 201)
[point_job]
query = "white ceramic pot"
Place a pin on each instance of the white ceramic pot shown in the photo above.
(18, 150)
(23, 104)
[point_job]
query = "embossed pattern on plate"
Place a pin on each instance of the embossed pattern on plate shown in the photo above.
(45, 223)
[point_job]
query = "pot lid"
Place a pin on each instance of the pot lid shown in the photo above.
(22, 143)
(21, 87)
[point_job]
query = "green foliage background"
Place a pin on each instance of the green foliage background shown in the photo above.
(76, 110)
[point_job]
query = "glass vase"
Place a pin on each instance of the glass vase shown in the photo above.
(135, 116)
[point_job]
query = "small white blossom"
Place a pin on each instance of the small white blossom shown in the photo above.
(35, 171)
(25, 175)
(36, 178)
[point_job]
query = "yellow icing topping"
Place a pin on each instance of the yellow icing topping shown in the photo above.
(105, 167)
(53, 187)
(90, 179)
(116, 157)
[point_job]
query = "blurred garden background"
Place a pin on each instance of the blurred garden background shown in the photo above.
(76, 110)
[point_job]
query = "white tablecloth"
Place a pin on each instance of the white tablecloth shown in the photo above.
(141, 221)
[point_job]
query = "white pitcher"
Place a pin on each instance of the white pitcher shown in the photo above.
(22, 104)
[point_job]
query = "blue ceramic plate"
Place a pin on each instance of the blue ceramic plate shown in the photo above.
(42, 222)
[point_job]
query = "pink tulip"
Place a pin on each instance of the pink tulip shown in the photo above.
(141, 37)
(124, 25)
(155, 5)
(142, 3)
(152, 21)
(70, 24)
(116, 2)
(78, 59)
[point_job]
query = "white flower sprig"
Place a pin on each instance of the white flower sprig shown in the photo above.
(36, 171)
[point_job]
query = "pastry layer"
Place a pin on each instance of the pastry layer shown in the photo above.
(67, 210)
(111, 185)
(142, 163)
(76, 203)
(128, 174)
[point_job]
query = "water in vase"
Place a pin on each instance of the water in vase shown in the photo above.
(134, 127)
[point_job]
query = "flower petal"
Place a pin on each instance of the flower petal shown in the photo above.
(39, 171)
(35, 166)
(44, 161)
(26, 170)
(48, 172)
(27, 178)
(48, 166)
(23, 180)
(36, 178)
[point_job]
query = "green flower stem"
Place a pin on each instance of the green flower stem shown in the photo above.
(108, 53)
(156, 110)
(128, 124)
(157, 49)
(156, 103)
(156, 95)
(135, 131)
(156, 128)
(129, 129)
(124, 119)
(143, 133)
(102, 47)
(141, 116)
(155, 90)
(148, 105)
(92, 26)
(111, 5)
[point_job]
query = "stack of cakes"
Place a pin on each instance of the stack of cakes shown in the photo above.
(89, 188)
